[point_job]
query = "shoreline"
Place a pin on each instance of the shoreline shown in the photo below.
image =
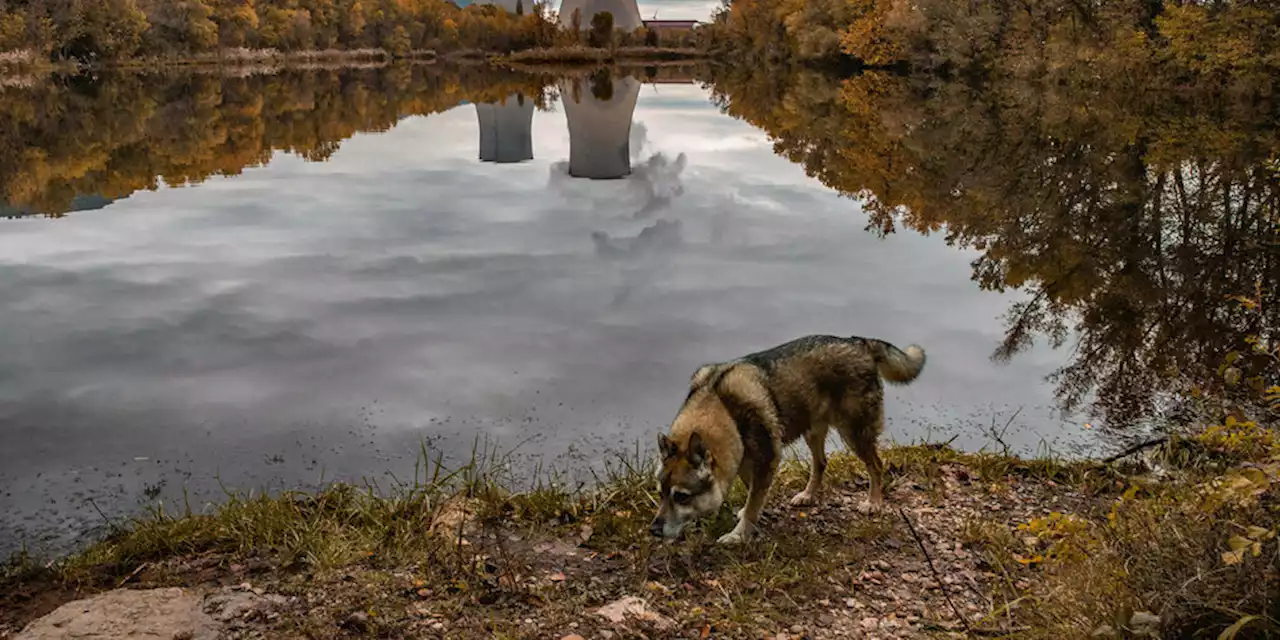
(965, 541)
(574, 58)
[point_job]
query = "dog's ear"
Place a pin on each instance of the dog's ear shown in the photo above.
(697, 450)
(666, 446)
(701, 376)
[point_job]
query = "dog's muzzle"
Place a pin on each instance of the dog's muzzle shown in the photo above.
(657, 526)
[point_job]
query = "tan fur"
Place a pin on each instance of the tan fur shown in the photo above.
(739, 415)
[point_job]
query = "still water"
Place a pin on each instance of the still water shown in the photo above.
(204, 313)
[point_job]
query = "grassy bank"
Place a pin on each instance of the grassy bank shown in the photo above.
(971, 543)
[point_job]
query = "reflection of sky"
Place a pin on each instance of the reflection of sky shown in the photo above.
(334, 314)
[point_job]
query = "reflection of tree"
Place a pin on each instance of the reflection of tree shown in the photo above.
(1128, 220)
(61, 139)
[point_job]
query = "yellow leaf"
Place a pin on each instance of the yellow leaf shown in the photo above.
(1256, 476)
(1238, 543)
(1232, 557)
(1259, 533)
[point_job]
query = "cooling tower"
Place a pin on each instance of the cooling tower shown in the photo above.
(599, 111)
(506, 130)
(626, 13)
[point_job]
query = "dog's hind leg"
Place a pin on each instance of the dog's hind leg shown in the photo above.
(816, 438)
(860, 435)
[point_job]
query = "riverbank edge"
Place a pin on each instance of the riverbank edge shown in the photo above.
(453, 550)
(15, 66)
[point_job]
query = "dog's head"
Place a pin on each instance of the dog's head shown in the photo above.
(686, 483)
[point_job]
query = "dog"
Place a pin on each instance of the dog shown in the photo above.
(739, 415)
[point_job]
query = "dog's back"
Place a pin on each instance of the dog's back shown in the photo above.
(832, 381)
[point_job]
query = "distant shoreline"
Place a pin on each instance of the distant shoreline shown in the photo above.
(19, 67)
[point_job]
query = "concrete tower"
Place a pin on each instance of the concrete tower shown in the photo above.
(599, 111)
(506, 129)
(626, 13)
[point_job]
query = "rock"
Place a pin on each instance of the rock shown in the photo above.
(127, 613)
(357, 621)
(1144, 623)
(232, 604)
(795, 628)
(870, 624)
(573, 636)
(632, 607)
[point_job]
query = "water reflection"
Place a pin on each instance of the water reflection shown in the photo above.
(331, 299)
(506, 129)
(599, 111)
(1130, 221)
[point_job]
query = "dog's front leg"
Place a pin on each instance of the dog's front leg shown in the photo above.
(750, 513)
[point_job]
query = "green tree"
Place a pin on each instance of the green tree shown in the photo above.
(601, 34)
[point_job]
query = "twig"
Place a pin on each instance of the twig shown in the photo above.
(1136, 448)
(936, 576)
(999, 435)
(114, 528)
(132, 575)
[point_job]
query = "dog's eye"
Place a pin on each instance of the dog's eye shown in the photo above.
(681, 497)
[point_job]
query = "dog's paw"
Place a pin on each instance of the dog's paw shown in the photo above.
(804, 499)
(869, 508)
(733, 537)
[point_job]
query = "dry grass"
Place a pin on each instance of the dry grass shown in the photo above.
(457, 543)
(1159, 558)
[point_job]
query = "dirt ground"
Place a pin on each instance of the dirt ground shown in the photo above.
(822, 572)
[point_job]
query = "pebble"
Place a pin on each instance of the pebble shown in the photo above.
(870, 624)
(573, 636)
(795, 628)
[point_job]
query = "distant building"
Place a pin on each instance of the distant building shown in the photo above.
(626, 13)
(506, 130)
(512, 6)
(664, 27)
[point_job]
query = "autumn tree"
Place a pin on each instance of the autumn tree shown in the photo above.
(237, 22)
(179, 25)
(97, 29)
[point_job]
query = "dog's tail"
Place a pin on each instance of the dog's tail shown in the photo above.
(894, 364)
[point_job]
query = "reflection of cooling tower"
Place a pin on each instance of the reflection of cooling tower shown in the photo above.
(506, 130)
(626, 13)
(599, 115)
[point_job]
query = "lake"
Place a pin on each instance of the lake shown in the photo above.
(258, 281)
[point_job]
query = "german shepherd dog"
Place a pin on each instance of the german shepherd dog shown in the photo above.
(740, 414)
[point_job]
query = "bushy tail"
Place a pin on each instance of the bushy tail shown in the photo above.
(894, 364)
